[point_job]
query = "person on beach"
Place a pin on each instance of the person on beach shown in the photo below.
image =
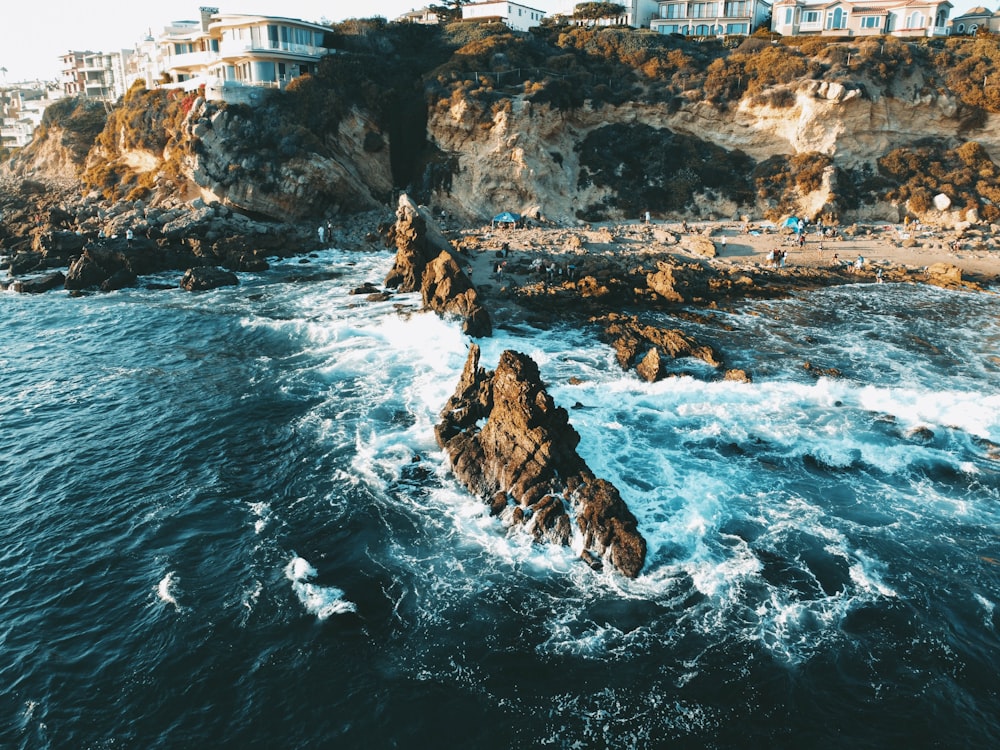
(859, 264)
(129, 236)
(321, 231)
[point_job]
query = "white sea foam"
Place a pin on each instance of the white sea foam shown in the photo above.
(165, 590)
(321, 601)
(712, 470)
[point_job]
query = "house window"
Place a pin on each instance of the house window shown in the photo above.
(788, 16)
(870, 22)
(736, 8)
(836, 19)
(737, 28)
(810, 16)
(674, 10)
(703, 10)
(670, 29)
(915, 21)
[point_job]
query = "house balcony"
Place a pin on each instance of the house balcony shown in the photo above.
(716, 22)
(192, 60)
(242, 48)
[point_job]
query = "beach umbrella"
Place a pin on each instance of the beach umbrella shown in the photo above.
(791, 221)
(506, 218)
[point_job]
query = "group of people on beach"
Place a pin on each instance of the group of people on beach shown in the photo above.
(776, 257)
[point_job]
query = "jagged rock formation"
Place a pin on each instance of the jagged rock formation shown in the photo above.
(425, 261)
(514, 448)
(649, 349)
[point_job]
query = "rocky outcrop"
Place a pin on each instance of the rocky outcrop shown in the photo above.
(514, 448)
(425, 261)
(38, 284)
(650, 349)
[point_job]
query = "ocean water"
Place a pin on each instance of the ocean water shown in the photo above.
(224, 522)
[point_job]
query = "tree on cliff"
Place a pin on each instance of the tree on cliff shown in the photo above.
(599, 11)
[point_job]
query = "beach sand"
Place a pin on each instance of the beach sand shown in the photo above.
(881, 245)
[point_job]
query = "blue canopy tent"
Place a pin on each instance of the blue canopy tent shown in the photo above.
(794, 223)
(506, 218)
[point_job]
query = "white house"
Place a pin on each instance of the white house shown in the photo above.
(850, 18)
(715, 18)
(518, 17)
(233, 54)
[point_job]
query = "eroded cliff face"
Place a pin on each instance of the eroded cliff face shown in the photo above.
(526, 157)
(348, 176)
(219, 154)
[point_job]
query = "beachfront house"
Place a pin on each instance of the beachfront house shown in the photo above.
(846, 18)
(234, 56)
(719, 18)
(95, 75)
(427, 16)
(974, 19)
(516, 16)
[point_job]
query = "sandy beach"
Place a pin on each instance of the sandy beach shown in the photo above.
(885, 246)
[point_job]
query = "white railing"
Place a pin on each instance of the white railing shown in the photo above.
(242, 46)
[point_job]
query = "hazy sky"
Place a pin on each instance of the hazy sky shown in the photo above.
(34, 33)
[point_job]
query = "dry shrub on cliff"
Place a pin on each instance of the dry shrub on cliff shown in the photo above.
(81, 121)
(781, 180)
(965, 174)
(657, 170)
(144, 121)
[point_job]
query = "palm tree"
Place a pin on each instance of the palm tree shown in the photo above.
(4, 71)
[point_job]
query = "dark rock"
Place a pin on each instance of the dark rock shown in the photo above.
(39, 284)
(86, 272)
(120, 279)
(203, 278)
(647, 347)
(514, 448)
(425, 261)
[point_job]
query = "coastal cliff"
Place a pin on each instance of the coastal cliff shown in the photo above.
(528, 156)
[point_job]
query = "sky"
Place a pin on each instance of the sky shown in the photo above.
(34, 33)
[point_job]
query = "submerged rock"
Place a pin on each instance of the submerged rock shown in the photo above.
(515, 449)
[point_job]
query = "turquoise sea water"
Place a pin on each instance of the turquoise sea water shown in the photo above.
(224, 522)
